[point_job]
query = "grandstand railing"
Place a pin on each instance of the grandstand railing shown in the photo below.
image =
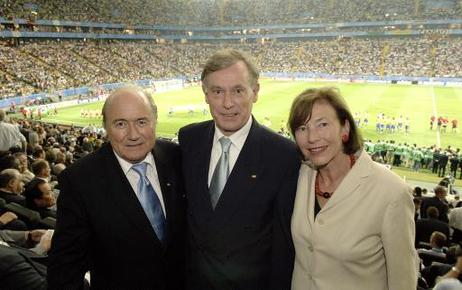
(161, 28)
(307, 35)
(364, 78)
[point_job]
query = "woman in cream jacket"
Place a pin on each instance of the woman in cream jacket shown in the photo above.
(352, 224)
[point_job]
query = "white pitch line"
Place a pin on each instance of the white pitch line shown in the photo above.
(435, 113)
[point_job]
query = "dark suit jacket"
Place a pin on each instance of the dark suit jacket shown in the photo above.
(425, 227)
(245, 243)
(18, 271)
(442, 207)
(11, 197)
(102, 227)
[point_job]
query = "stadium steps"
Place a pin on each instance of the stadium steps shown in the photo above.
(86, 59)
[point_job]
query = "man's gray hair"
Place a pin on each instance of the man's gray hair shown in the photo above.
(227, 57)
(7, 175)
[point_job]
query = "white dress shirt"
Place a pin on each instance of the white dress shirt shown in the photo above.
(151, 173)
(10, 136)
(237, 142)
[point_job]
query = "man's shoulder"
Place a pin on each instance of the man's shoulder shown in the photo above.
(194, 131)
(90, 162)
(275, 140)
(196, 127)
(166, 147)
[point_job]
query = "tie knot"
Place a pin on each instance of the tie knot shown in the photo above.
(225, 143)
(140, 168)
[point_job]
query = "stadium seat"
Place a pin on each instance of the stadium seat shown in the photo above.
(429, 257)
(48, 223)
(30, 217)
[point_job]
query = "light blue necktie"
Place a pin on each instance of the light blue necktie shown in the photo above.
(150, 201)
(220, 175)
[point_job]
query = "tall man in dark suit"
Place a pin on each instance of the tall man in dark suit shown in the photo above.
(442, 163)
(120, 210)
(240, 181)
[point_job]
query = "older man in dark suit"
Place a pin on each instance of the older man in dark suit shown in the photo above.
(438, 201)
(427, 226)
(120, 210)
(240, 180)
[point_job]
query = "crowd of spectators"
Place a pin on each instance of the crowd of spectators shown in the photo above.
(53, 65)
(244, 12)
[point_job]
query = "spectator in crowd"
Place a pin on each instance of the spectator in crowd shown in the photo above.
(426, 226)
(21, 267)
(40, 197)
(11, 186)
(436, 270)
(449, 280)
(10, 136)
(39, 153)
(237, 172)
(438, 242)
(41, 169)
(8, 161)
(346, 204)
(135, 198)
(26, 174)
(438, 201)
(455, 222)
(59, 164)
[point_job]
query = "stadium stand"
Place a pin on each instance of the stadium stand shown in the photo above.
(30, 65)
(54, 65)
(229, 12)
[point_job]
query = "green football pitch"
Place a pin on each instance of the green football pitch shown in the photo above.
(414, 101)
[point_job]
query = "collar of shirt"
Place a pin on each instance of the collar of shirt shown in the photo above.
(126, 166)
(151, 173)
(237, 138)
(237, 142)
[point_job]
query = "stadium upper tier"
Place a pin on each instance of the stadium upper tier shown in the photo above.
(49, 66)
(230, 12)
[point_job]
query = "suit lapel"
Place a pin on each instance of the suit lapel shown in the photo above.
(242, 178)
(122, 194)
(200, 170)
(163, 173)
(352, 181)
